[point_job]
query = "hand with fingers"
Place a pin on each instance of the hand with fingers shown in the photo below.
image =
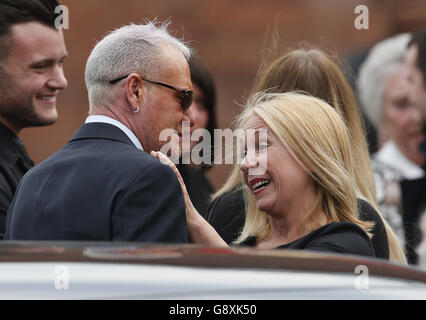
(199, 229)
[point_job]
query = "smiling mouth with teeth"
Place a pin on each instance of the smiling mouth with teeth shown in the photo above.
(46, 98)
(260, 185)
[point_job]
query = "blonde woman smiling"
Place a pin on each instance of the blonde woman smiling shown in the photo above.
(306, 198)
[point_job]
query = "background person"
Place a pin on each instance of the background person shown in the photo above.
(387, 98)
(311, 202)
(203, 108)
(414, 190)
(104, 185)
(32, 53)
(415, 59)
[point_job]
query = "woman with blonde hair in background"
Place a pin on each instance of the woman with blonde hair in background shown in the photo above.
(314, 72)
(308, 203)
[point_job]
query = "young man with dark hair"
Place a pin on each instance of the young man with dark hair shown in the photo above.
(32, 52)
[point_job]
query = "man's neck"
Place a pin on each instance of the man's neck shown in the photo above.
(15, 129)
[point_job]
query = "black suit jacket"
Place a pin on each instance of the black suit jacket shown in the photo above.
(98, 187)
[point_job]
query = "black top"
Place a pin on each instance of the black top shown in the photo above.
(339, 237)
(422, 145)
(380, 239)
(413, 195)
(198, 187)
(14, 163)
(227, 216)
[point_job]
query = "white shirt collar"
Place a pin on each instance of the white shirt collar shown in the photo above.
(118, 124)
(392, 156)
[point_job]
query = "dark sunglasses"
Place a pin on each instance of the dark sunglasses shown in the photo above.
(185, 99)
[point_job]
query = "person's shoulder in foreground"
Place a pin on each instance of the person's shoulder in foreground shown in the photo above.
(139, 200)
(337, 237)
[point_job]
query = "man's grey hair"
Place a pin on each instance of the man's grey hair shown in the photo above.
(383, 61)
(131, 48)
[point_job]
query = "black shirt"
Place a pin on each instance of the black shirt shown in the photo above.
(338, 237)
(227, 216)
(14, 163)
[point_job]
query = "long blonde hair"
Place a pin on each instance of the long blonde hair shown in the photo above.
(315, 72)
(318, 140)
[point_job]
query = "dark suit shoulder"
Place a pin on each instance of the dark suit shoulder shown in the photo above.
(99, 188)
(155, 189)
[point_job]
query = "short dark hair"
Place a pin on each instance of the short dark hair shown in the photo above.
(419, 39)
(20, 11)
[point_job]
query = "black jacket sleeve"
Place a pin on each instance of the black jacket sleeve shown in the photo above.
(152, 209)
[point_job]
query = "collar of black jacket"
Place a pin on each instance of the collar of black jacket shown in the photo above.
(98, 130)
(12, 148)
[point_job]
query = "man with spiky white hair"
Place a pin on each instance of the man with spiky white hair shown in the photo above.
(104, 184)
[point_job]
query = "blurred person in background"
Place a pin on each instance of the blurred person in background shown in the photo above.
(32, 53)
(387, 98)
(415, 59)
(414, 190)
(203, 108)
(314, 72)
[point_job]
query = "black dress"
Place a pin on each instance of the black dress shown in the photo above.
(227, 216)
(337, 237)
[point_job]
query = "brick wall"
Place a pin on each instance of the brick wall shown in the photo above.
(229, 36)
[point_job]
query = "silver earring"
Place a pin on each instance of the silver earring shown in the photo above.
(136, 111)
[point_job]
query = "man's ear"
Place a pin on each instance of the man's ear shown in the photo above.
(134, 91)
